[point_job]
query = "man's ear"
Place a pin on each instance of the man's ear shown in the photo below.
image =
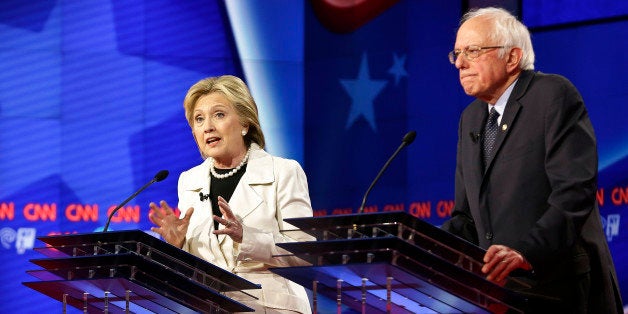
(514, 59)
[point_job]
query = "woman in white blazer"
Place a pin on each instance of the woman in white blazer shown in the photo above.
(233, 204)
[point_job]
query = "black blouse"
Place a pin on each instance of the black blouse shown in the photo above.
(223, 187)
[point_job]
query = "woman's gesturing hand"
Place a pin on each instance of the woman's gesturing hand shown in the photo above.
(169, 226)
(233, 227)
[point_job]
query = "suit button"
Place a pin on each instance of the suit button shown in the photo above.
(489, 236)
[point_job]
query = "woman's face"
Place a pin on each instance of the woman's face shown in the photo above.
(217, 130)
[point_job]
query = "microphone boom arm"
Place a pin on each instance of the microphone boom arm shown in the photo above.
(158, 177)
(407, 140)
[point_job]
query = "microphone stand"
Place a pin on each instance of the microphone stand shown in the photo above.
(407, 140)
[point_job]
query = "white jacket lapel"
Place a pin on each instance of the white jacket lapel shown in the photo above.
(248, 195)
(258, 174)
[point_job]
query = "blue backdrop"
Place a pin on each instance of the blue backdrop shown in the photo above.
(91, 105)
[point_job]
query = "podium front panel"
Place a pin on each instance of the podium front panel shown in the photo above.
(384, 261)
(124, 270)
(142, 244)
(96, 295)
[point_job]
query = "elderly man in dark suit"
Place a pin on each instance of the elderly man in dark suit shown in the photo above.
(526, 172)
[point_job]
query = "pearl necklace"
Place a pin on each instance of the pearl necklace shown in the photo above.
(233, 171)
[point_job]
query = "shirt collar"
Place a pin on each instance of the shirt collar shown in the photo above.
(500, 105)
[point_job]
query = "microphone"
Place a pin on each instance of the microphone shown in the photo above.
(475, 137)
(407, 140)
(158, 177)
(203, 196)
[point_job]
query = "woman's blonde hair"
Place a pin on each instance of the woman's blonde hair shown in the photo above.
(236, 91)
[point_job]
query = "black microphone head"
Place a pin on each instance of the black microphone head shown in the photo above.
(409, 137)
(161, 175)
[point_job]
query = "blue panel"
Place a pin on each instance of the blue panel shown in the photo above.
(404, 51)
(91, 99)
(539, 13)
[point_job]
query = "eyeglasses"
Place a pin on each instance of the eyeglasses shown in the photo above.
(470, 52)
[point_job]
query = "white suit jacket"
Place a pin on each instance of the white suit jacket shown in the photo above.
(270, 190)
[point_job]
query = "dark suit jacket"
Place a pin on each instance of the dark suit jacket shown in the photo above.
(538, 193)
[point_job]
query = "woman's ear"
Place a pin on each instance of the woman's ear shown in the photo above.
(245, 130)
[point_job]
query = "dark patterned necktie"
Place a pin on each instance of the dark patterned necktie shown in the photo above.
(490, 132)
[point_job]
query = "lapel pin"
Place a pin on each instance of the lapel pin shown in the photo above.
(504, 127)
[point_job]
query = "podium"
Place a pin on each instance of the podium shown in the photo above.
(133, 272)
(392, 262)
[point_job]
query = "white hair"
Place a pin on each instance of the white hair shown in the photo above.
(507, 30)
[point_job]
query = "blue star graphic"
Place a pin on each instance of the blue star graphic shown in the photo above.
(398, 68)
(363, 91)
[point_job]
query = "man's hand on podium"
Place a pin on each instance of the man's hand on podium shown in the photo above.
(500, 261)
